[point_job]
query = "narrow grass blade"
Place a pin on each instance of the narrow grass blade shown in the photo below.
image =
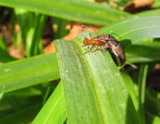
(37, 34)
(152, 101)
(130, 86)
(27, 72)
(142, 85)
(18, 117)
(152, 119)
(54, 111)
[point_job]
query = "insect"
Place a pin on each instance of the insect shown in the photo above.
(92, 42)
(106, 42)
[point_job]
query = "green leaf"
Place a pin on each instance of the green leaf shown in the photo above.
(130, 31)
(152, 103)
(155, 12)
(143, 52)
(76, 10)
(27, 72)
(134, 29)
(54, 111)
(142, 85)
(152, 119)
(31, 26)
(37, 34)
(18, 117)
(130, 86)
(93, 87)
(5, 57)
(121, 2)
(156, 4)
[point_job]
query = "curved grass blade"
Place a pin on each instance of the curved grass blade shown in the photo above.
(93, 87)
(27, 72)
(76, 10)
(134, 29)
(131, 31)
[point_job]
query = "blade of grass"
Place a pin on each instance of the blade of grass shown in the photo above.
(134, 29)
(32, 31)
(130, 86)
(80, 102)
(37, 34)
(152, 119)
(53, 112)
(143, 52)
(5, 57)
(82, 11)
(152, 102)
(27, 72)
(18, 117)
(121, 2)
(61, 27)
(142, 85)
(156, 4)
(131, 31)
(3, 45)
(155, 12)
(26, 21)
(93, 87)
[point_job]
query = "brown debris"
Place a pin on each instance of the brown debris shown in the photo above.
(138, 6)
(13, 51)
(49, 48)
(6, 33)
(77, 28)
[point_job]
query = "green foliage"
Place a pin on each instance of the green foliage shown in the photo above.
(92, 88)
(76, 10)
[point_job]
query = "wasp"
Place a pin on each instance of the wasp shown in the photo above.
(106, 42)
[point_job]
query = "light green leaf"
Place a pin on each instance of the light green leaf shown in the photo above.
(134, 29)
(93, 87)
(130, 31)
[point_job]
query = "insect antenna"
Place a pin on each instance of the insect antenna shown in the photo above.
(88, 27)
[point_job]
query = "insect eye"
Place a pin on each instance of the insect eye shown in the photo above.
(85, 41)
